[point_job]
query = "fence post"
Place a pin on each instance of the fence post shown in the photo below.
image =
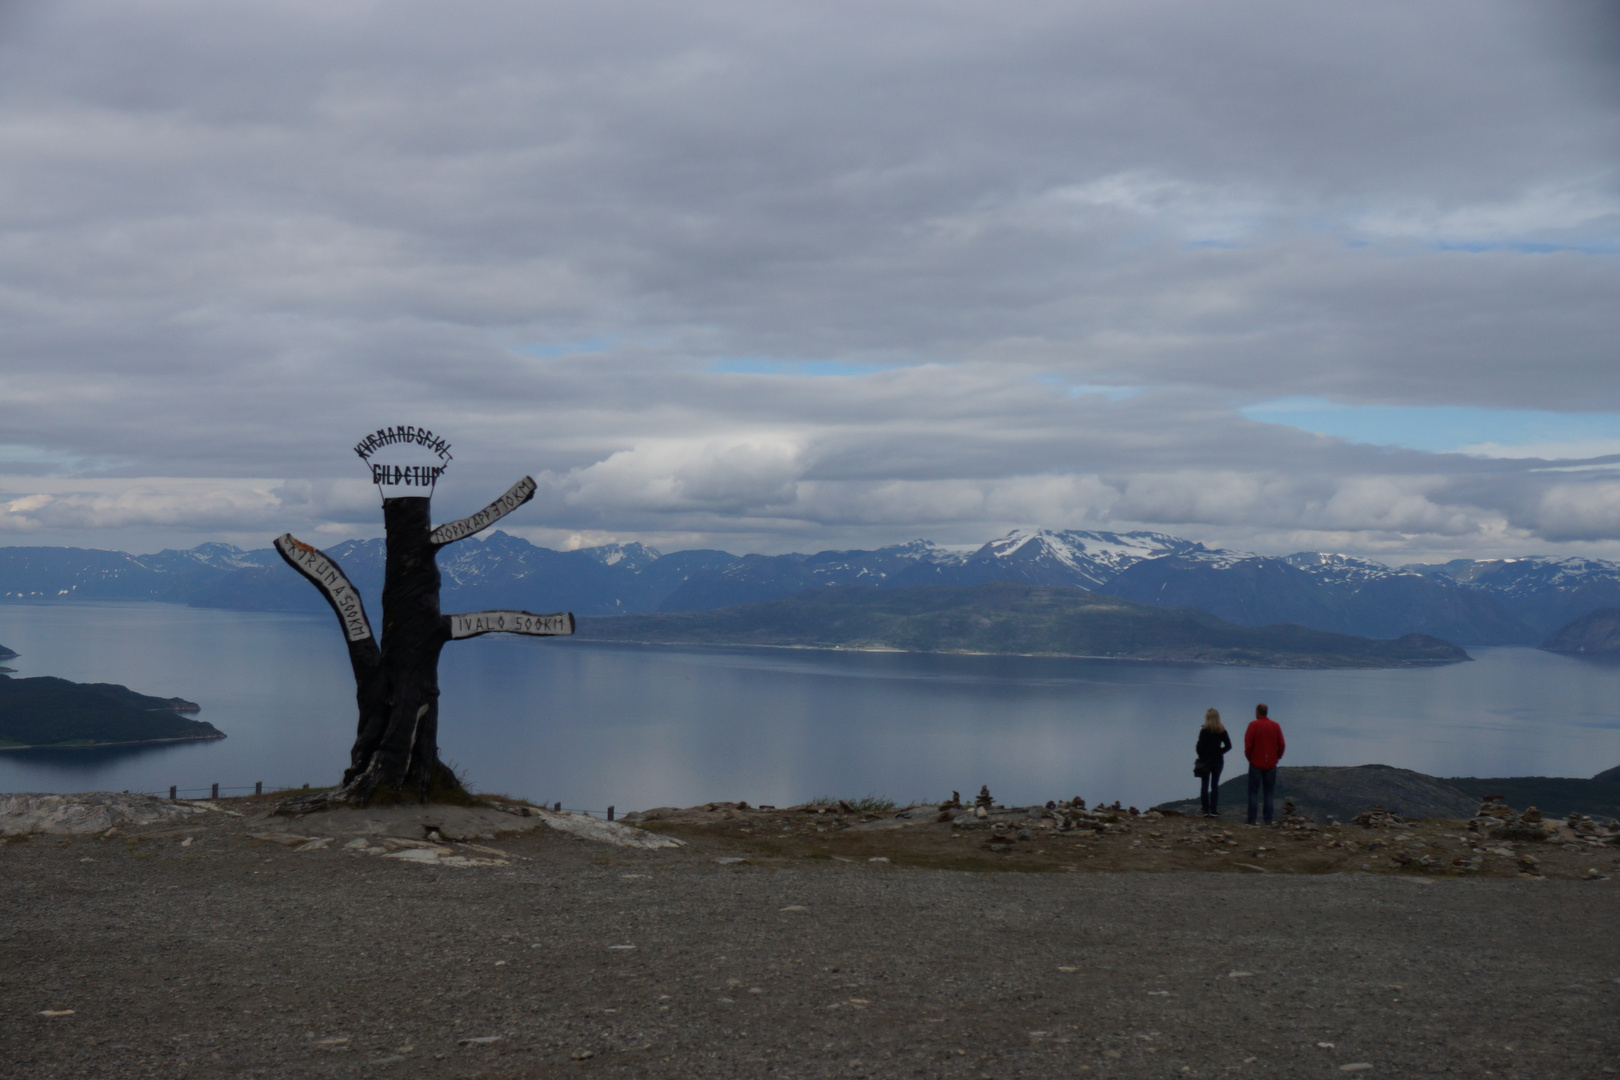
(610, 813)
(258, 787)
(215, 793)
(171, 792)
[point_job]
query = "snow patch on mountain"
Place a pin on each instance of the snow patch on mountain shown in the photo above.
(1090, 558)
(1344, 569)
(632, 556)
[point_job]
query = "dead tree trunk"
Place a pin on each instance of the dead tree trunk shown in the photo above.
(396, 748)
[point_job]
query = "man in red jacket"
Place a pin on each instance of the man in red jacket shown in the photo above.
(1263, 745)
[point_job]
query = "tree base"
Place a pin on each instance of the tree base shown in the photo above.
(445, 789)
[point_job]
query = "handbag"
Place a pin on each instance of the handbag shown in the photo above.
(1200, 768)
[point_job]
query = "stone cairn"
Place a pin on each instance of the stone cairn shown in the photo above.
(1378, 818)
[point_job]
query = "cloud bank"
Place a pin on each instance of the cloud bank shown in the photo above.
(787, 276)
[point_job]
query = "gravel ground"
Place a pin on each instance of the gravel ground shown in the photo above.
(201, 952)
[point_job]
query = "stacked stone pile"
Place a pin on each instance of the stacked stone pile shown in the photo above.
(1010, 825)
(1379, 818)
(1071, 834)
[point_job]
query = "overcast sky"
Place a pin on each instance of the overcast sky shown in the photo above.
(789, 276)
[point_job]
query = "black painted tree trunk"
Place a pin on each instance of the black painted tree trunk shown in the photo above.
(396, 748)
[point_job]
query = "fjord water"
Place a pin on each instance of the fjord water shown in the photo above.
(591, 725)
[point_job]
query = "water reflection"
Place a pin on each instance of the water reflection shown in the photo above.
(591, 724)
(75, 761)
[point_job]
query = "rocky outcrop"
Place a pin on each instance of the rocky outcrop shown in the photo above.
(91, 812)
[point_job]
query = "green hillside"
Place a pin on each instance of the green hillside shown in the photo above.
(47, 711)
(1009, 617)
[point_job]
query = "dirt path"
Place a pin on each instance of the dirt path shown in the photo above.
(232, 956)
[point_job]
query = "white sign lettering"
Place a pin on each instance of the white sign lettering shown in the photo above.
(326, 576)
(511, 622)
(520, 493)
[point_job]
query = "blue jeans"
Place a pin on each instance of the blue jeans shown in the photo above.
(1209, 787)
(1259, 778)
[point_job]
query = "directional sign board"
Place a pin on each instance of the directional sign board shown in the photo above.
(511, 622)
(327, 577)
(519, 493)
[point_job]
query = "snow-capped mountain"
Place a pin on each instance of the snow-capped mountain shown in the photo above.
(1325, 592)
(1074, 557)
(1071, 559)
(1498, 601)
(1545, 592)
(214, 556)
(1339, 569)
(632, 556)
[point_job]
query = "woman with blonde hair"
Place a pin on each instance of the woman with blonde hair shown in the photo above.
(1213, 743)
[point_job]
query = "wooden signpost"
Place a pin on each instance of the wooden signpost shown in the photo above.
(396, 752)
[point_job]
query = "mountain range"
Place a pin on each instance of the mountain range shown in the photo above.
(1471, 602)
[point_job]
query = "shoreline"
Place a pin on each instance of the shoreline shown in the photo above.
(1030, 656)
(105, 745)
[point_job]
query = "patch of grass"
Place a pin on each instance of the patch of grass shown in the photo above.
(449, 788)
(17, 838)
(501, 796)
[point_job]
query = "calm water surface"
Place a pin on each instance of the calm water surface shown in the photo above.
(593, 724)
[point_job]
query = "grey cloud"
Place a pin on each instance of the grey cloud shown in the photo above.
(233, 238)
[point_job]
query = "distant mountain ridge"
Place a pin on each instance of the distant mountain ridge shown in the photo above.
(1071, 559)
(1474, 602)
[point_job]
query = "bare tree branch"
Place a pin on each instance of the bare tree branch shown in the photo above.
(518, 494)
(475, 623)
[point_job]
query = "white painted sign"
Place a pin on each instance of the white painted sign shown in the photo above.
(324, 573)
(404, 460)
(520, 493)
(511, 622)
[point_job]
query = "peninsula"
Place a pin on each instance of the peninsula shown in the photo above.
(1594, 635)
(49, 712)
(1005, 617)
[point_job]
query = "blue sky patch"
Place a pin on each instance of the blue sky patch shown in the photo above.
(1112, 393)
(1439, 428)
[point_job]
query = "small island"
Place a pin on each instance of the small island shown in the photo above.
(1010, 618)
(44, 711)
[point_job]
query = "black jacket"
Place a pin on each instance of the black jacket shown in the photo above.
(1212, 746)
